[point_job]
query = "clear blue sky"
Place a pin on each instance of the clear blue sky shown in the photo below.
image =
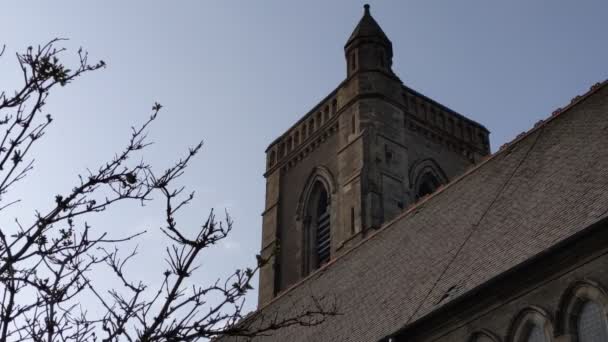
(238, 73)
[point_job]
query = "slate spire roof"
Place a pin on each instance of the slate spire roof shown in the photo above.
(368, 28)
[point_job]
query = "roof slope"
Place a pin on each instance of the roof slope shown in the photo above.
(546, 186)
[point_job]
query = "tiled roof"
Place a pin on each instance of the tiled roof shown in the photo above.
(542, 188)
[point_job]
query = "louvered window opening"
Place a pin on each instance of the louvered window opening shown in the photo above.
(592, 326)
(323, 238)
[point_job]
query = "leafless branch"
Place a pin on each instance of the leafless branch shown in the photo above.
(46, 263)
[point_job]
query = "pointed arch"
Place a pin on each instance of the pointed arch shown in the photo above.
(318, 174)
(315, 214)
(425, 177)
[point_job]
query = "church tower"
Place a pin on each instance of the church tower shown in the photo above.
(357, 159)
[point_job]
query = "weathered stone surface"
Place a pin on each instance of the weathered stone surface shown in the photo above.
(376, 138)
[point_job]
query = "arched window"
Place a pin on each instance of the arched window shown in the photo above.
(583, 312)
(425, 177)
(531, 325)
(591, 323)
(427, 185)
(317, 228)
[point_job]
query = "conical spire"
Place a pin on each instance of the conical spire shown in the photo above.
(368, 48)
(367, 28)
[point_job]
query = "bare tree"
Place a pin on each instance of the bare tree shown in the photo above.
(45, 266)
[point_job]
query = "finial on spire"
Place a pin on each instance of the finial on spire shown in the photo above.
(366, 8)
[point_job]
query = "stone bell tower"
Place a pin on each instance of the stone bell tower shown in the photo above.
(357, 159)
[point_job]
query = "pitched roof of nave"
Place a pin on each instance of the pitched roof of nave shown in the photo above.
(535, 192)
